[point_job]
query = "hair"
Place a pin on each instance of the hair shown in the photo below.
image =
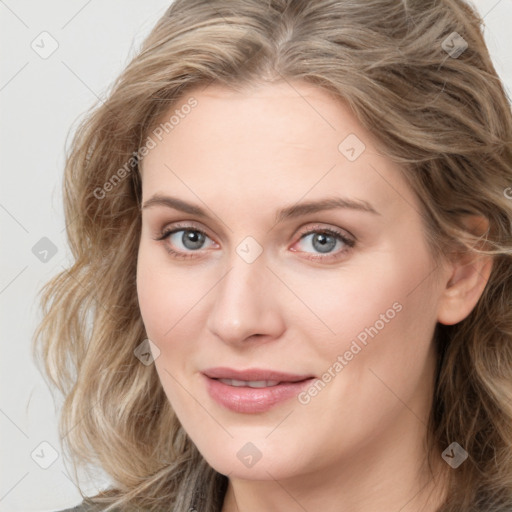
(445, 120)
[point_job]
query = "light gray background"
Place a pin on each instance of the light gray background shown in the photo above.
(41, 100)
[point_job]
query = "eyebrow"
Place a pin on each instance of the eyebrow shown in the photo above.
(296, 210)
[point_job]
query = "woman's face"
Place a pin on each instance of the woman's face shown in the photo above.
(266, 278)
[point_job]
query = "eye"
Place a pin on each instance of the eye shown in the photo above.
(186, 238)
(325, 241)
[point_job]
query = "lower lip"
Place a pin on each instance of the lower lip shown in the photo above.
(253, 400)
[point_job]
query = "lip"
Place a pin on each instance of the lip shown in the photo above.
(253, 374)
(253, 400)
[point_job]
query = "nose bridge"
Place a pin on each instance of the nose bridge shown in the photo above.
(244, 304)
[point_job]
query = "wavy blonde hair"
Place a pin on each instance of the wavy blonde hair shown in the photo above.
(445, 119)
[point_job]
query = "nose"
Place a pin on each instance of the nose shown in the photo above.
(246, 304)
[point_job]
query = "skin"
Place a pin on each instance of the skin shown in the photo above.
(358, 445)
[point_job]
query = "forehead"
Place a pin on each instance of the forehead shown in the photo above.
(278, 114)
(283, 111)
(284, 140)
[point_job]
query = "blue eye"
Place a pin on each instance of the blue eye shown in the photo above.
(326, 241)
(192, 240)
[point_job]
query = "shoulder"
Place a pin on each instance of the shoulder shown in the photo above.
(82, 507)
(79, 508)
(89, 506)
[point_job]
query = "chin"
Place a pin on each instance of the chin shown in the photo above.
(258, 460)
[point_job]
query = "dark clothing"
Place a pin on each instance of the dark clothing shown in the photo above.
(83, 507)
(79, 508)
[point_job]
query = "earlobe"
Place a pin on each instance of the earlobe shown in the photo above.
(468, 275)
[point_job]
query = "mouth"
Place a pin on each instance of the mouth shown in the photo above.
(250, 383)
(254, 375)
(252, 391)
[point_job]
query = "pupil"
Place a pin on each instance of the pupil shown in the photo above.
(325, 245)
(194, 238)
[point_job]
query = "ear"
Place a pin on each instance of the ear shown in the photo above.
(466, 277)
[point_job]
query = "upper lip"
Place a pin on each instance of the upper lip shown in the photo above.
(253, 374)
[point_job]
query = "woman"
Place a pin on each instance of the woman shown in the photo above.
(292, 280)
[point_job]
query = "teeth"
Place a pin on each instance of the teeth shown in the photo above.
(250, 383)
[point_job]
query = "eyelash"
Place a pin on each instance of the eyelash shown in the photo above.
(315, 229)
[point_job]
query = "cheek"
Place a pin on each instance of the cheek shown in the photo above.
(157, 297)
(342, 305)
(382, 312)
(149, 298)
(392, 322)
(158, 288)
(161, 305)
(171, 302)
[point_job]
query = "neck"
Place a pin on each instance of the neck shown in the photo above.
(389, 474)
